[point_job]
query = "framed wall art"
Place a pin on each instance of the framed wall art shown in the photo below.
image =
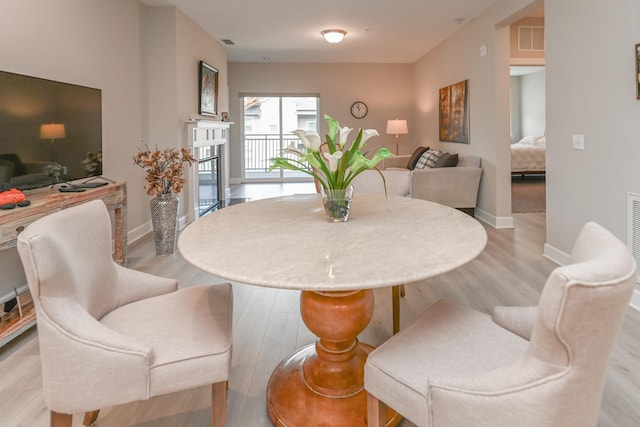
(208, 90)
(637, 61)
(454, 113)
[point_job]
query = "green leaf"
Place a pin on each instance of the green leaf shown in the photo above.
(334, 128)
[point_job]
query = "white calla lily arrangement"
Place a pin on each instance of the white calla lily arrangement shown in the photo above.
(336, 166)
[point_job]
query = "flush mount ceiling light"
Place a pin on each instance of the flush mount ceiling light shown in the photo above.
(333, 36)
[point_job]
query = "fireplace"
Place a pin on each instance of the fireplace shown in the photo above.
(207, 141)
(209, 195)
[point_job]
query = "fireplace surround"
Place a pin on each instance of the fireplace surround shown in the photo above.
(207, 140)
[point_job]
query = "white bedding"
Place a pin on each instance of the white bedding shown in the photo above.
(529, 155)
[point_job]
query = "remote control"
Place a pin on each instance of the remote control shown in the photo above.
(71, 190)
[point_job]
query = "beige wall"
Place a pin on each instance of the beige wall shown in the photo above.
(148, 76)
(387, 90)
(174, 47)
(458, 58)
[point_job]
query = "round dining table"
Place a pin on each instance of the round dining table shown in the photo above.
(286, 242)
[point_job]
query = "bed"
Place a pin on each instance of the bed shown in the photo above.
(528, 155)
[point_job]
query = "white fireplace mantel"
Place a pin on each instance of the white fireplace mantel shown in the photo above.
(207, 132)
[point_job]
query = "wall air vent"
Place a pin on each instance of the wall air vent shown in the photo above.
(633, 228)
(228, 42)
(530, 38)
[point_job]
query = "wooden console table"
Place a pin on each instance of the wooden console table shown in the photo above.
(45, 201)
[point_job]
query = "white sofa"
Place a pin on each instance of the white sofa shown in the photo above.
(456, 187)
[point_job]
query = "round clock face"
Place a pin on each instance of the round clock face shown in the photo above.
(359, 109)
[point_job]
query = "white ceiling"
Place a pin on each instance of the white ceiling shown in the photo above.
(378, 31)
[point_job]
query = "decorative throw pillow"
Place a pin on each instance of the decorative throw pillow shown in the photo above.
(415, 157)
(447, 160)
(428, 159)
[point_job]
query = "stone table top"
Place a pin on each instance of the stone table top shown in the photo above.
(286, 242)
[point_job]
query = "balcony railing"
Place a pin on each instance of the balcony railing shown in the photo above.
(259, 149)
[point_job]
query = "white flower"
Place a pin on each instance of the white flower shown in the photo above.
(344, 134)
(333, 160)
(368, 134)
(309, 138)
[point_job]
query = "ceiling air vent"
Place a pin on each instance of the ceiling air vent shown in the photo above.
(227, 42)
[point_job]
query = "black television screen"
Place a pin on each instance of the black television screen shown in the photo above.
(49, 131)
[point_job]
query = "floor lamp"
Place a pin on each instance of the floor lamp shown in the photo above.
(397, 127)
(52, 131)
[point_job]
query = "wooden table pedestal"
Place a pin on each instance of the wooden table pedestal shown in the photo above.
(323, 384)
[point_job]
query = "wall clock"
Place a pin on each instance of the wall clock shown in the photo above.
(359, 109)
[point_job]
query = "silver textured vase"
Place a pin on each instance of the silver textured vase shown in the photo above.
(164, 218)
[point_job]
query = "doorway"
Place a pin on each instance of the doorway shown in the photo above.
(268, 125)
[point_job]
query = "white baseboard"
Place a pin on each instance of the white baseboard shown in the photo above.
(235, 180)
(492, 220)
(556, 255)
(136, 233)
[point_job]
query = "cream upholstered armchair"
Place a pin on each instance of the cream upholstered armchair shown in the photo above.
(110, 335)
(456, 367)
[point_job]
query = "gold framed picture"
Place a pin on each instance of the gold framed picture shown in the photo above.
(454, 113)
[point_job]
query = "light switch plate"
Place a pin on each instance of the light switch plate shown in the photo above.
(577, 142)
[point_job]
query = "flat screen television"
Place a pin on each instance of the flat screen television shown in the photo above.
(49, 131)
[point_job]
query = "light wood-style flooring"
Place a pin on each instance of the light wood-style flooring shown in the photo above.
(267, 327)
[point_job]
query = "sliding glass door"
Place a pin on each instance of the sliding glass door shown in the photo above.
(268, 125)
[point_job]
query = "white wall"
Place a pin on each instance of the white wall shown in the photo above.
(591, 91)
(515, 99)
(387, 89)
(532, 112)
(527, 105)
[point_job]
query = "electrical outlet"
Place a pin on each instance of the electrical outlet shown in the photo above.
(577, 142)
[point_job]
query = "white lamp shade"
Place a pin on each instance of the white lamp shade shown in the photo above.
(397, 127)
(333, 36)
(52, 131)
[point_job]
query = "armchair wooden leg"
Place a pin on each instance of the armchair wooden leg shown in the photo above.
(395, 308)
(90, 417)
(219, 404)
(376, 412)
(60, 420)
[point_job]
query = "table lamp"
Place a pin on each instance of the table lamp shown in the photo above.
(52, 131)
(397, 127)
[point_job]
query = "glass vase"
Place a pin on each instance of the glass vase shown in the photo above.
(164, 218)
(337, 203)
